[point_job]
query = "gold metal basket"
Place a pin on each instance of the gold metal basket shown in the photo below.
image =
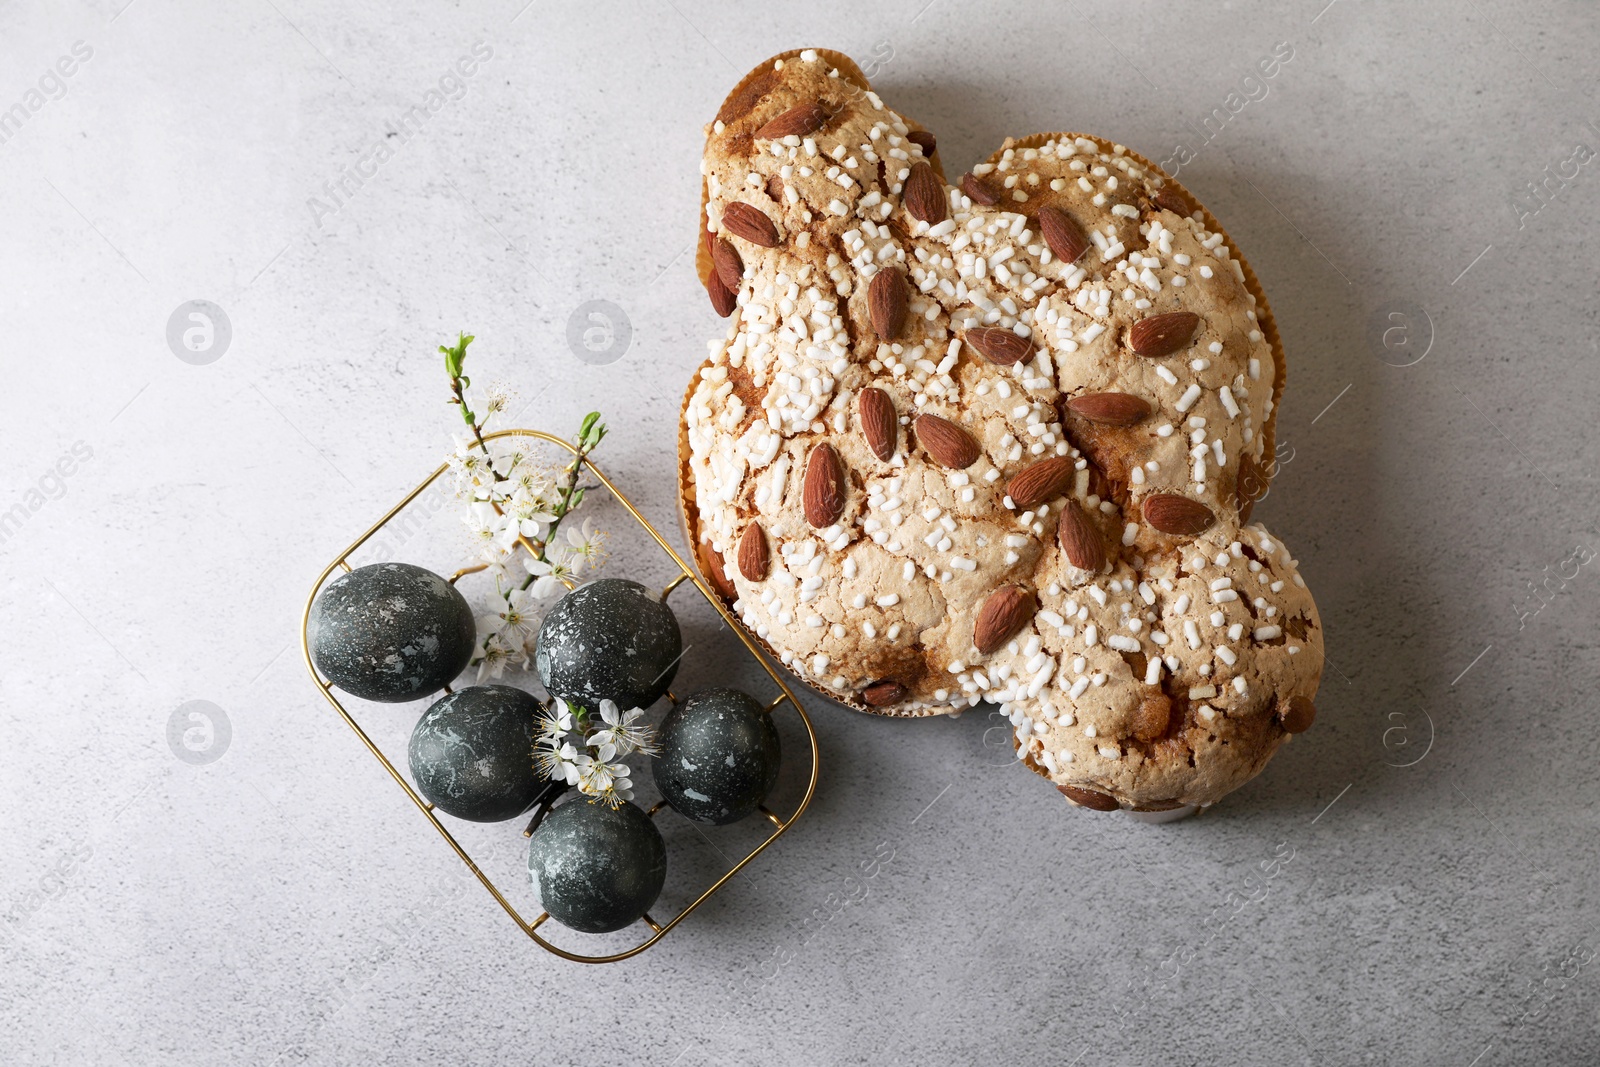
(685, 573)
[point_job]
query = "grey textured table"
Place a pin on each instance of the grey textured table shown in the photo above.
(1411, 882)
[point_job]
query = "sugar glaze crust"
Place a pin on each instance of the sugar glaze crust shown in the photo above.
(1158, 678)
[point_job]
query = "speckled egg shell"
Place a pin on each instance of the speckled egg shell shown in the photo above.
(596, 869)
(719, 756)
(391, 632)
(472, 753)
(609, 640)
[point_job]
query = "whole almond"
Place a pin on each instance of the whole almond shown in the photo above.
(723, 300)
(881, 693)
(1080, 539)
(887, 302)
(823, 491)
(753, 558)
(715, 569)
(1250, 487)
(924, 194)
(1088, 798)
(1006, 611)
(979, 191)
(1150, 718)
(1177, 515)
(747, 95)
(751, 223)
(878, 423)
(923, 140)
(728, 263)
(1041, 481)
(1063, 234)
(1297, 714)
(1162, 335)
(798, 121)
(1171, 199)
(949, 444)
(999, 345)
(1164, 804)
(1112, 409)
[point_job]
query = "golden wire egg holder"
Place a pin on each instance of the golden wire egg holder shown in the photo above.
(685, 573)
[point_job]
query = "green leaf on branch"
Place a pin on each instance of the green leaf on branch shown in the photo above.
(591, 432)
(455, 357)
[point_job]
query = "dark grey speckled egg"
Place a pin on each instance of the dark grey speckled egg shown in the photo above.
(609, 640)
(596, 869)
(472, 753)
(719, 756)
(391, 632)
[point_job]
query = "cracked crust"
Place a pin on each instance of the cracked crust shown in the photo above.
(1156, 679)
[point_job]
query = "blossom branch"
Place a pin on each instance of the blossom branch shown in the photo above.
(455, 358)
(590, 433)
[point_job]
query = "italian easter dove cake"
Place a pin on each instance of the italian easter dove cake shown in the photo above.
(994, 440)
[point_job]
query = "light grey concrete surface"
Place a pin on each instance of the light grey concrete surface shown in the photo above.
(1413, 882)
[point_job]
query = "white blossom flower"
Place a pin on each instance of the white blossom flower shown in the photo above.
(516, 614)
(593, 776)
(550, 574)
(474, 469)
(496, 398)
(493, 655)
(588, 545)
(622, 733)
(511, 464)
(492, 533)
(535, 483)
(557, 760)
(602, 780)
(621, 788)
(556, 723)
(531, 515)
(508, 527)
(467, 457)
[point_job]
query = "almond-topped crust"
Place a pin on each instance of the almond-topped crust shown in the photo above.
(918, 386)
